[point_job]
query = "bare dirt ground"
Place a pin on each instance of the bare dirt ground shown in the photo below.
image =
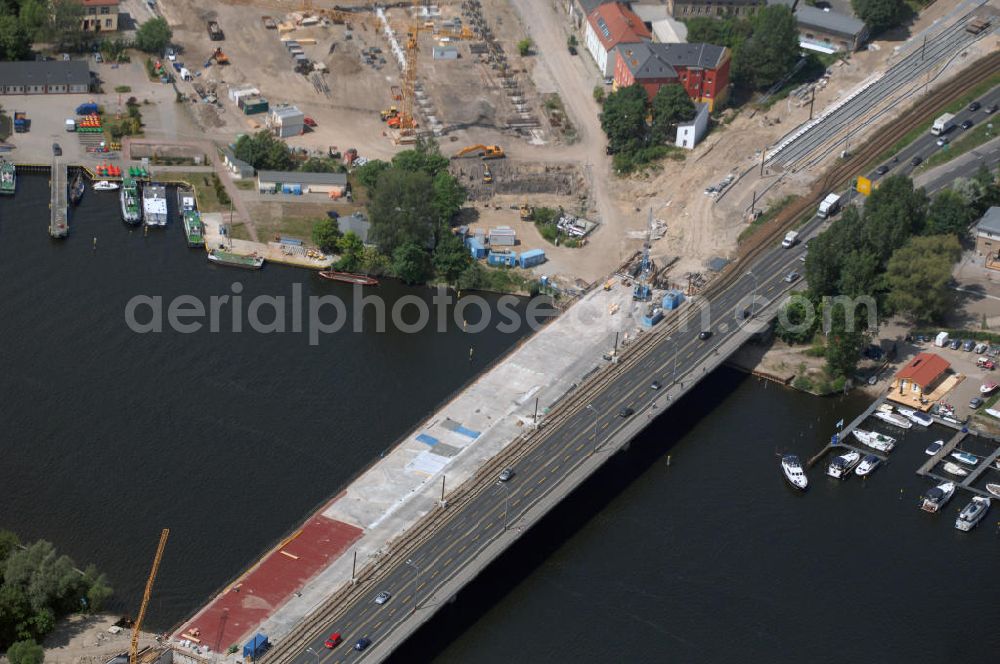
(86, 640)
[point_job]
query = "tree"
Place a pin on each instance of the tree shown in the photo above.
(15, 44)
(34, 15)
(671, 105)
(451, 258)
(8, 543)
(919, 277)
(26, 652)
(263, 151)
(153, 36)
(524, 47)
(894, 212)
(728, 32)
(367, 175)
(321, 165)
(65, 26)
(880, 14)
(411, 263)
(447, 195)
(843, 344)
(623, 118)
(351, 250)
(859, 274)
(948, 213)
(325, 234)
(772, 50)
(99, 592)
(797, 311)
(425, 156)
(401, 210)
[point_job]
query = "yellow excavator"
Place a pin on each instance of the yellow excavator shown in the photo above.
(483, 151)
(487, 174)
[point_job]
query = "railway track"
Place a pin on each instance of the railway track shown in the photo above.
(400, 548)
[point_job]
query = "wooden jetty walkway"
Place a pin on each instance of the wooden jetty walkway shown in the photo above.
(846, 432)
(58, 220)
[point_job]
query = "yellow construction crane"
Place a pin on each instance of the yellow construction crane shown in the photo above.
(483, 151)
(134, 651)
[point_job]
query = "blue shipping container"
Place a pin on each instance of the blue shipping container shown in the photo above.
(476, 248)
(532, 258)
(86, 109)
(672, 300)
(256, 646)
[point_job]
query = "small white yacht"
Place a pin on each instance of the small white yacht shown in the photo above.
(894, 419)
(841, 466)
(867, 465)
(955, 469)
(972, 513)
(875, 440)
(915, 416)
(105, 185)
(792, 469)
(994, 489)
(965, 457)
(934, 448)
(937, 497)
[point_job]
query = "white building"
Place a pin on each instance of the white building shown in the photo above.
(286, 121)
(690, 133)
(608, 25)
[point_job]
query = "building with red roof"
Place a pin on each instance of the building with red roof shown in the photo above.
(921, 375)
(609, 25)
(703, 69)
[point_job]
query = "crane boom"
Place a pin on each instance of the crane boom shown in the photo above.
(134, 651)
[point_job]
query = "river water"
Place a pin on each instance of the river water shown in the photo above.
(687, 548)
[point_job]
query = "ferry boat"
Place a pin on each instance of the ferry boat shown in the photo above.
(348, 278)
(915, 416)
(972, 513)
(934, 448)
(937, 497)
(129, 197)
(955, 469)
(841, 465)
(792, 469)
(154, 204)
(235, 260)
(867, 465)
(105, 185)
(894, 419)
(77, 188)
(994, 489)
(875, 440)
(194, 229)
(965, 457)
(8, 177)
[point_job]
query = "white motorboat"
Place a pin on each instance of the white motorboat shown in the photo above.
(934, 448)
(955, 469)
(937, 497)
(105, 185)
(972, 513)
(894, 419)
(915, 416)
(965, 457)
(994, 489)
(842, 465)
(867, 465)
(792, 468)
(884, 408)
(988, 388)
(875, 440)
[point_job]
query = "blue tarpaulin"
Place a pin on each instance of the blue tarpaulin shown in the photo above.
(256, 646)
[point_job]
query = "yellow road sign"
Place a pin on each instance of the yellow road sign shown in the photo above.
(864, 186)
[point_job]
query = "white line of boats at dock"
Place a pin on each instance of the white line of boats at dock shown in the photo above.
(840, 466)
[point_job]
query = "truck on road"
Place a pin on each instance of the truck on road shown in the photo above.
(943, 124)
(829, 206)
(791, 239)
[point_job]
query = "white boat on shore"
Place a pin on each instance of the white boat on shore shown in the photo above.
(972, 513)
(915, 416)
(841, 466)
(955, 469)
(937, 497)
(867, 465)
(894, 419)
(965, 457)
(105, 185)
(792, 468)
(875, 440)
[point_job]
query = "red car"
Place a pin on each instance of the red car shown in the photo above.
(333, 641)
(985, 364)
(309, 122)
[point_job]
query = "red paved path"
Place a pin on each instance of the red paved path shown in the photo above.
(266, 586)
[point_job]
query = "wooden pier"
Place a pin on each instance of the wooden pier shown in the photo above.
(843, 436)
(58, 204)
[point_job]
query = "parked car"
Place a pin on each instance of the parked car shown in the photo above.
(974, 106)
(572, 50)
(968, 345)
(921, 338)
(171, 54)
(308, 121)
(382, 597)
(334, 640)
(98, 57)
(56, 150)
(966, 125)
(506, 474)
(705, 334)
(362, 643)
(986, 363)
(994, 351)
(625, 412)
(975, 402)
(980, 348)
(954, 344)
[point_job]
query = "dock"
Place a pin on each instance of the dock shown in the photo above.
(844, 433)
(58, 204)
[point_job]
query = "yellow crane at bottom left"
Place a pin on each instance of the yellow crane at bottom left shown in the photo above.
(134, 650)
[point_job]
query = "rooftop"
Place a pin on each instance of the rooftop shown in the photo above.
(303, 178)
(614, 24)
(286, 112)
(990, 223)
(649, 60)
(47, 72)
(829, 21)
(924, 369)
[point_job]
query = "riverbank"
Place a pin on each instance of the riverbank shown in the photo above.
(89, 639)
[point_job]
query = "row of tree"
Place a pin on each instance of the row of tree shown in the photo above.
(38, 586)
(265, 151)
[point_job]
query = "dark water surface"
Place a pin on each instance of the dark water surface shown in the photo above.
(231, 439)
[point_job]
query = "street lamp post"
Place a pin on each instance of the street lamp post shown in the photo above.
(416, 589)
(597, 415)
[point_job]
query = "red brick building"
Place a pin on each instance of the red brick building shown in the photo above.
(703, 69)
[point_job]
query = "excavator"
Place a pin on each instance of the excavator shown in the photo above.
(388, 113)
(483, 151)
(220, 57)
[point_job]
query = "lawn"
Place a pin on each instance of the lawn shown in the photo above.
(205, 193)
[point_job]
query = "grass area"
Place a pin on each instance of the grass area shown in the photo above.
(245, 185)
(291, 226)
(204, 188)
(772, 210)
(967, 141)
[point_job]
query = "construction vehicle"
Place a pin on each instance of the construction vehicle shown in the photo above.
(487, 174)
(527, 212)
(482, 151)
(21, 122)
(220, 57)
(134, 650)
(388, 113)
(269, 23)
(215, 32)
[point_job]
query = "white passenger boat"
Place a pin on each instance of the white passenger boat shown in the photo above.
(841, 466)
(894, 419)
(154, 205)
(972, 513)
(955, 469)
(934, 448)
(792, 468)
(965, 457)
(875, 440)
(937, 497)
(915, 416)
(105, 185)
(867, 465)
